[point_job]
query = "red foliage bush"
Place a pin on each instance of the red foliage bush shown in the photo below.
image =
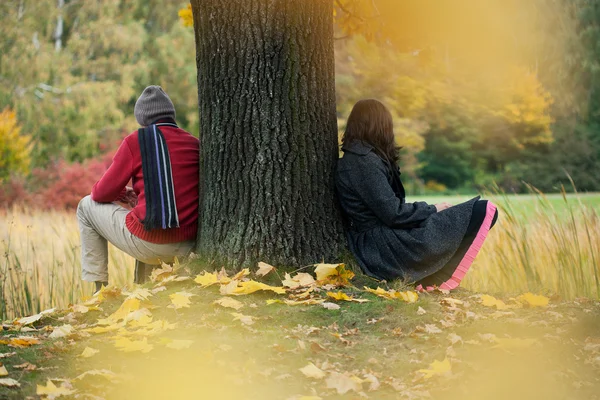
(59, 186)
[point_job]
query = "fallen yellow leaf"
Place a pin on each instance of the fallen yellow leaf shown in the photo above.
(333, 274)
(89, 352)
(180, 299)
(244, 319)
(533, 300)
(408, 296)
(127, 345)
(97, 372)
(129, 305)
(207, 279)
(253, 286)
(343, 296)
(51, 391)
(241, 274)
(325, 270)
(3, 371)
(437, 368)
(229, 303)
(23, 341)
(159, 274)
(299, 280)
(312, 371)
(343, 383)
(491, 301)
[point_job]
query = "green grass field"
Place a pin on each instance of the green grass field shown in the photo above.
(525, 204)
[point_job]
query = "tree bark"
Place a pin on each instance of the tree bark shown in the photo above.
(268, 131)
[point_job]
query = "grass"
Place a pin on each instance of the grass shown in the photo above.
(384, 339)
(40, 264)
(547, 244)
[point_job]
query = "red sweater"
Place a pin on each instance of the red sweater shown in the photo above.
(127, 164)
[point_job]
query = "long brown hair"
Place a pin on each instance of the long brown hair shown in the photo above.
(371, 122)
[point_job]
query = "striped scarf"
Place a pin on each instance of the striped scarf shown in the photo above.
(161, 209)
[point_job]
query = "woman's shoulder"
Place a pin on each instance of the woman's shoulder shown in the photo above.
(359, 156)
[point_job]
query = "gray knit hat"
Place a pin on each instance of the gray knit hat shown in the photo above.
(153, 104)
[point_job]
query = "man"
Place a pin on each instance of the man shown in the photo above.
(162, 162)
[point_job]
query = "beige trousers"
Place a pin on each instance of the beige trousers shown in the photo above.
(100, 223)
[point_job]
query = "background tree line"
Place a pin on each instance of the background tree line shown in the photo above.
(517, 102)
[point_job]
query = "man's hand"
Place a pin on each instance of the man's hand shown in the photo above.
(131, 197)
(442, 206)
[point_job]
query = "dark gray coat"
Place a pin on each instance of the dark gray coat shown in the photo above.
(391, 238)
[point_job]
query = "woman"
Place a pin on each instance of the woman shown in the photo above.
(431, 245)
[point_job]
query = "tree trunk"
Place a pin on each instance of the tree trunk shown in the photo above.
(268, 131)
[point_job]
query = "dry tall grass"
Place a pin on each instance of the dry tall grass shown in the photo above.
(555, 250)
(40, 267)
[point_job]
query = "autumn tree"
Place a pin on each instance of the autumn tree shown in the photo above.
(268, 131)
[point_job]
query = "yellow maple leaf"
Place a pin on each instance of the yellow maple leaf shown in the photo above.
(299, 280)
(3, 371)
(437, 368)
(253, 286)
(23, 341)
(141, 294)
(244, 319)
(129, 305)
(229, 302)
(180, 300)
(325, 270)
(127, 345)
(228, 288)
(408, 296)
(243, 273)
(52, 391)
(207, 279)
(533, 300)
(381, 293)
(264, 268)
(333, 274)
(97, 372)
(104, 329)
(89, 352)
(343, 296)
(312, 371)
(491, 301)
(159, 274)
(343, 383)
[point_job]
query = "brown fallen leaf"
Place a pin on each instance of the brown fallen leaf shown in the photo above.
(317, 348)
(26, 367)
(264, 268)
(6, 355)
